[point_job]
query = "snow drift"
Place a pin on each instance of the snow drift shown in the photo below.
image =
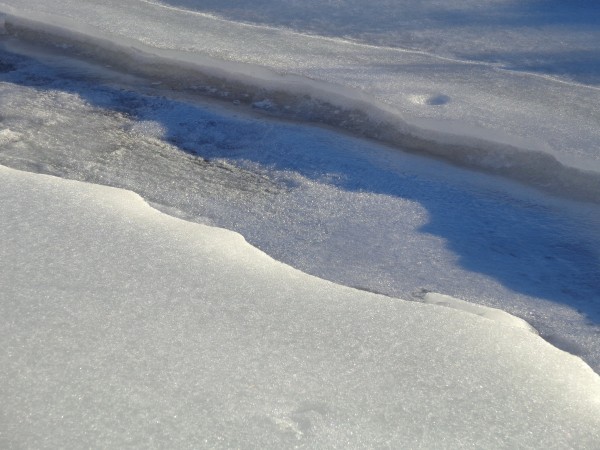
(122, 326)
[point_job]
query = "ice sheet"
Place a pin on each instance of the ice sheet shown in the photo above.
(549, 37)
(488, 110)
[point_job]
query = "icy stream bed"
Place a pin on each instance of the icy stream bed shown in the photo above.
(531, 126)
(341, 208)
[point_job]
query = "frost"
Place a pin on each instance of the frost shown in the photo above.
(7, 136)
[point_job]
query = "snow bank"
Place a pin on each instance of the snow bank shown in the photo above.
(539, 131)
(494, 314)
(122, 326)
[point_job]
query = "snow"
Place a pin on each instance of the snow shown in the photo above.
(551, 37)
(336, 207)
(381, 83)
(122, 326)
(489, 313)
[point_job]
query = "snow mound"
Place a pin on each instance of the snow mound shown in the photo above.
(122, 326)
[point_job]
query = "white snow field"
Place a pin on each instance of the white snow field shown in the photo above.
(124, 327)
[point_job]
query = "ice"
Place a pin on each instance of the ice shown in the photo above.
(551, 37)
(122, 326)
(374, 86)
(7, 136)
(340, 208)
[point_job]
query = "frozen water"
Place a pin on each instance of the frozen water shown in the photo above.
(506, 122)
(483, 311)
(122, 326)
(337, 207)
(553, 37)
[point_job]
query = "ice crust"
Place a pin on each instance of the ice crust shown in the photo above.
(534, 129)
(122, 326)
(554, 37)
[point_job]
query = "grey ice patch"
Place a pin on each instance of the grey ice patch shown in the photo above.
(6, 67)
(438, 100)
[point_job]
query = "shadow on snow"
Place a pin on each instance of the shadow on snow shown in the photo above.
(528, 248)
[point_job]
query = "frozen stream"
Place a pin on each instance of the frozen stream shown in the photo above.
(344, 209)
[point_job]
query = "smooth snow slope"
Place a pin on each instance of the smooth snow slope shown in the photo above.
(475, 114)
(121, 326)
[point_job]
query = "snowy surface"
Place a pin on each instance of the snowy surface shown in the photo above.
(432, 96)
(336, 207)
(122, 326)
(551, 37)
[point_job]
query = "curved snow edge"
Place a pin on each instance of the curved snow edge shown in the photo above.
(429, 299)
(298, 98)
(495, 314)
(478, 375)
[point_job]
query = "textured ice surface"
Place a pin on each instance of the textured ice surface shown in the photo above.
(552, 37)
(473, 100)
(343, 209)
(122, 326)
